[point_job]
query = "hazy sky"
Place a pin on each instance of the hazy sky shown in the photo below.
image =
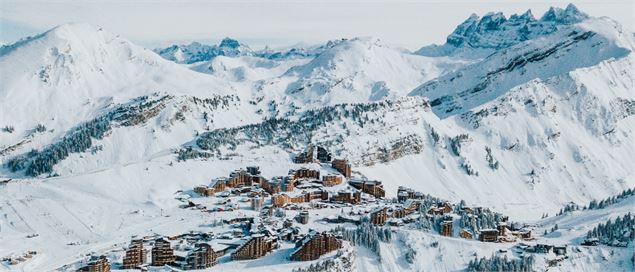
(410, 24)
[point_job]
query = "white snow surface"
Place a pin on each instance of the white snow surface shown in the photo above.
(561, 129)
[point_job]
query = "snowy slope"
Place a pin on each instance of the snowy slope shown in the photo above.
(360, 70)
(247, 69)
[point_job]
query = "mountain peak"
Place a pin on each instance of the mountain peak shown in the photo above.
(528, 16)
(495, 31)
(570, 15)
(72, 28)
(230, 43)
(65, 32)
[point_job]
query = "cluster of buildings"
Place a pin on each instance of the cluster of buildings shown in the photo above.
(240, 181)
(410, 202)
(253, 237)
(301, 185)
(194, 251)
(380, 215)
(371, 187)
(257, 236)
(186, 252)
(14, 260)
(505, 233)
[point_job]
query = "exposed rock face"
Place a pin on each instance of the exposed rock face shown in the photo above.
(408, 145)
(495, 31)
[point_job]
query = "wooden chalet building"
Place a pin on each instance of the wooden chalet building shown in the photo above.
(162, 253)
(379, 216)
(303, 217)
(202, 257)
(446, 228)
(372, 187)
(259, 245)
(488, 235)
(218, 184)
(307, 156)
(404, 193)
(347, 197)
(279, 184)
(135, 255)
(323, 155)
(305, 173)
(409, 207)
(97, 264)
(523, 234)
(331, 180)
(272, 186)
(314, 245)
(343, 167)
(204, 190)
(239, 178)
(466, 234)
(279, 200)
(441, 209)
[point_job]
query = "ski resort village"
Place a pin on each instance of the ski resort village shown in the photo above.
(509, 147)
(310, 214)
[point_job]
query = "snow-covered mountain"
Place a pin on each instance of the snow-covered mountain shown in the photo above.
(81, 68)
(517, 114)
(76, 74)
(583, 45)
(297, 51)
(478, 37)
(360, 70)
(195, 52)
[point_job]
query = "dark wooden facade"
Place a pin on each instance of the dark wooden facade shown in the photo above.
(379, 216)
(331, 180)
(135, 255)
(305, 173)
(307, 156)
(343, 167)
(372, 187)
(446, 228)
(162, 253)
(347, 197)
(256, 247)
(466, 234)
(323, 155)
(314, 245)
(203, 256)
(303, 217)
(488, 235)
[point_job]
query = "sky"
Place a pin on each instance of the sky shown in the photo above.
(278, 23)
